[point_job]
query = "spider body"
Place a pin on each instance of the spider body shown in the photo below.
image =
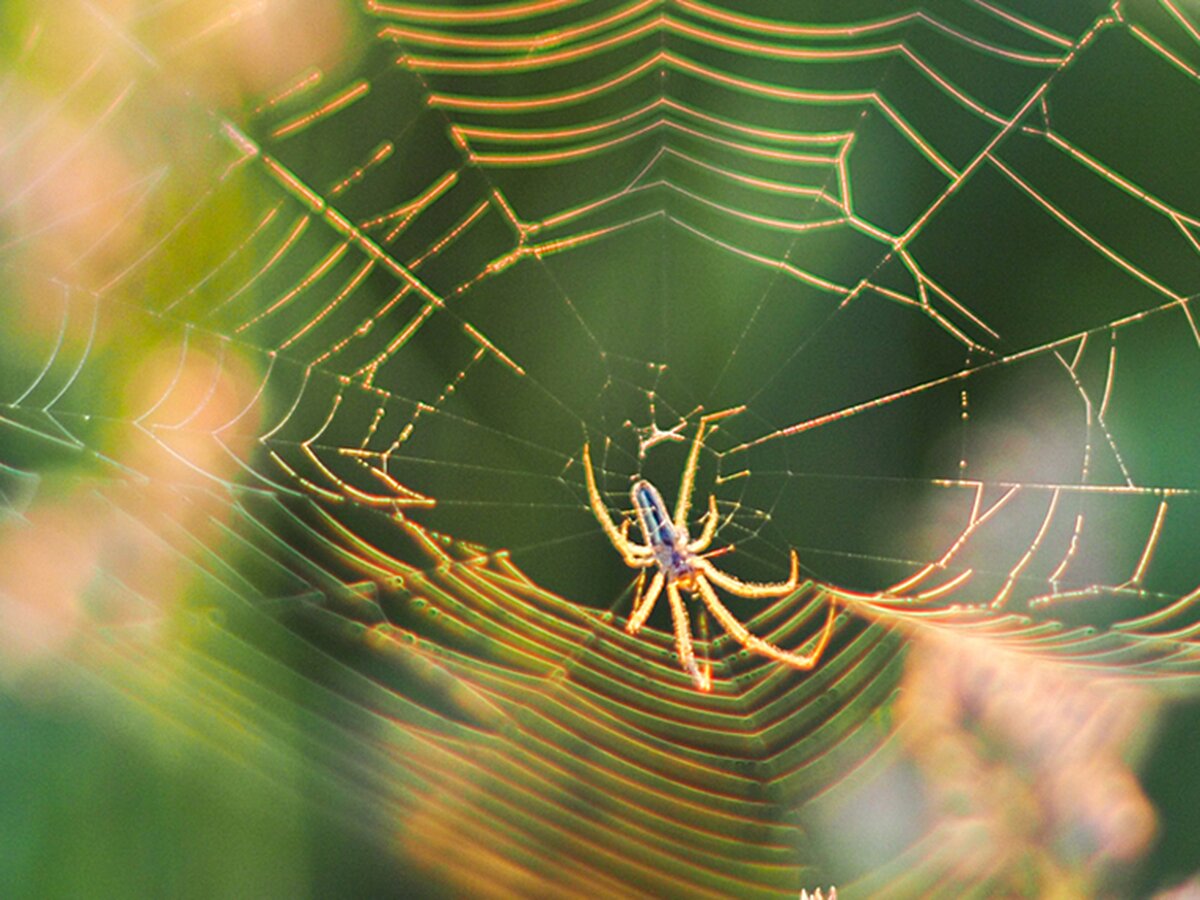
(681, 565)
(668, 543)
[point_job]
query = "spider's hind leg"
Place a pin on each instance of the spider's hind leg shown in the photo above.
(702, 678)
(752, 642)
(753, 590)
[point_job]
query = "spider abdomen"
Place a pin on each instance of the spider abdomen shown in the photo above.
(667, 542)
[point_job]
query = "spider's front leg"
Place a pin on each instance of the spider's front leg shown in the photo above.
(635, 555)
(644, 604)
(686, 484)
(700, 544)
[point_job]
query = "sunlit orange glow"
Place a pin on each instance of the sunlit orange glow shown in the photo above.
(229, 50)
(71, 548)
(1029, 755)
(73, 202)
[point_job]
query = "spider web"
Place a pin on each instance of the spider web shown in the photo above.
(319, 367)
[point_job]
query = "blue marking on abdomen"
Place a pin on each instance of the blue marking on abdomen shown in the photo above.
(661, 529)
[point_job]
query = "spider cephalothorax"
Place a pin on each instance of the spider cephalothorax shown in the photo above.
(681, 565)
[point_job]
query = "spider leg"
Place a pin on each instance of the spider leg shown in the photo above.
(751, 589)
(684, 504)
(635, 555)
(741, 634)
(644, 603)
(683, 641)
(637, 590)
(643, 553)
(710, 527)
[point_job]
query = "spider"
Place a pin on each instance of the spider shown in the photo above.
(682, 565)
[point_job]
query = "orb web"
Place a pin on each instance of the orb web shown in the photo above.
(331, 357)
